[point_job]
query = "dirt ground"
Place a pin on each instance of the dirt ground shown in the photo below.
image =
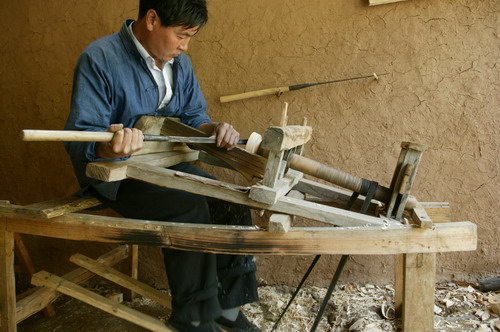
(352, 308)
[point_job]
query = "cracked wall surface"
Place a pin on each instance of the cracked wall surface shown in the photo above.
(443, 92)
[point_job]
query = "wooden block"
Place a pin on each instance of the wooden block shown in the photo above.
(419, 288)
(274, 169)
(280, 223)
(265, 194)
(58, 207)
(119, 310)
(122, 279)
(44, 295)
(420, 217)
(437, 211)
(115, 297)
(110, 171)
(7, 282)
(286, 138)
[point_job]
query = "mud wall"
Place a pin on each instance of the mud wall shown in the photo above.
(443, 92)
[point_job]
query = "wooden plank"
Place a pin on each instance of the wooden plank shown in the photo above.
(44, 295)
(119, 310)
(444, 237)
(122, 279)
(218, 189)
(7, 282)
(399, 283)
(280, 223)
(419, 287)
(265, 194)
(274, 169)
(437, 211)
(285, 138)
(248, 164)
(332, 194)
(109, 171)
(58, 207)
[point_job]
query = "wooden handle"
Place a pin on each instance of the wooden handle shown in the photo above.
(251, 94)
(66, 135)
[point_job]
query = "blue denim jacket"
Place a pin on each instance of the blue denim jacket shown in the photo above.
(112, 84)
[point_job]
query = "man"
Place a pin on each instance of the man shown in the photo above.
(142, 70)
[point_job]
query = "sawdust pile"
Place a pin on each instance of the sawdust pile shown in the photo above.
(370, 308)
(365, 308)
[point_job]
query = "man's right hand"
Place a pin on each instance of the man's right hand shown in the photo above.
(125, 142)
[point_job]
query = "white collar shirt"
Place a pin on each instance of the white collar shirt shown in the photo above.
(164, 78)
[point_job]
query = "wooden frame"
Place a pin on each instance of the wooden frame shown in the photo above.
(415, 246)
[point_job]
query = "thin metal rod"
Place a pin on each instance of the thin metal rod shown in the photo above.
(299, 287)
(329, 292)
(306, 85)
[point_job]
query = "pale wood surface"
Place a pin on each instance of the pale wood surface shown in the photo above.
(109, 171)
(420, 217)
(382, 2)
(119, 310)
(444, 237)
(286, 138)
(280, 223)
(44, 295)
(122, 279)
(419, 287)
(7, 282)
(58, 207)
(265, 194)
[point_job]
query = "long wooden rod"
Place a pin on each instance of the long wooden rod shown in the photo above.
(280, 90)
(98, 136)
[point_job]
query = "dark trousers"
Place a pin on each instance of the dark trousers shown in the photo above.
(201, 283)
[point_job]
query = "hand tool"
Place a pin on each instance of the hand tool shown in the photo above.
(98, 136)
(280, 90)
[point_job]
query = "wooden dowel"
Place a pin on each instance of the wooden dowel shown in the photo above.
(252, 94)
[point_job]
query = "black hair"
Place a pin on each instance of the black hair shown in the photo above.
(186, 13)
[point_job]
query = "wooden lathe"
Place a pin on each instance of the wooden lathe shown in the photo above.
(394, 223)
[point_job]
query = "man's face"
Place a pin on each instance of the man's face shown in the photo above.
(166, 43)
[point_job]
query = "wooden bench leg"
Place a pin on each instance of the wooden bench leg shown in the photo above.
(7, 283)
(415, 287)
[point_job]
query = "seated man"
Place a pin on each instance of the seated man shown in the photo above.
(142, 70)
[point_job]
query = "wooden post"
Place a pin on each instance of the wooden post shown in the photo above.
(415, 288)
(7, 282)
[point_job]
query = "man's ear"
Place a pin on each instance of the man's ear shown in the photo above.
(152, 19)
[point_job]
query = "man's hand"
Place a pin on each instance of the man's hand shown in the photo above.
(226, 136)
(125, 142)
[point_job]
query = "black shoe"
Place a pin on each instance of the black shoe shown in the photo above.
(209, 326)
(241, 324)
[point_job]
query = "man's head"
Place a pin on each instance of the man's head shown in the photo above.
(185, 13)
(165, 27)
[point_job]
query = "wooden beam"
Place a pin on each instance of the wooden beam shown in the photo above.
(58, 207)
(374, 240)
(218, 189)
(44, 296)
(437, 211)
(7, 282)
(119, 310)
(109, 171)
(285, 138)
(26, 264)
(419, 288)
(122, 279)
